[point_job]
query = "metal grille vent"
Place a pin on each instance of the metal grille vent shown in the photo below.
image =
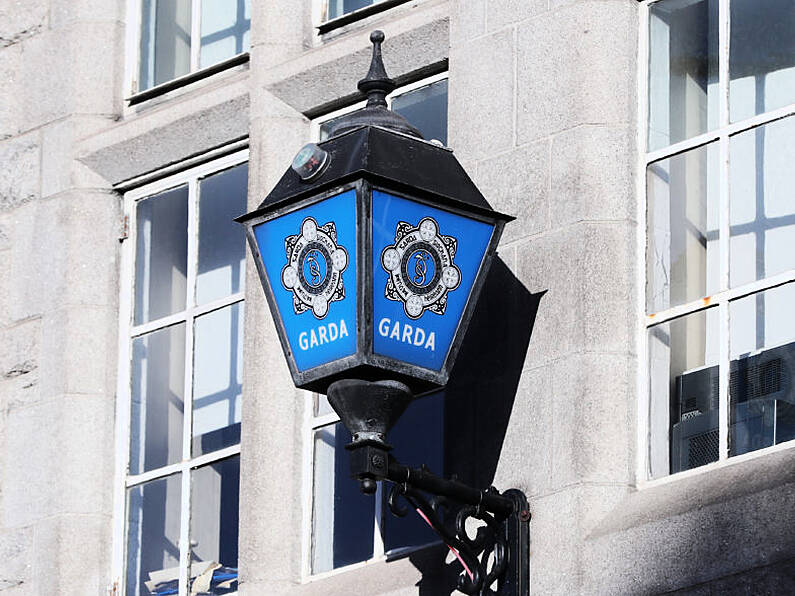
(703, 449)
(750, 382)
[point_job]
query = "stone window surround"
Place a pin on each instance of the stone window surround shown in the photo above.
(720, 300)
(128, 331)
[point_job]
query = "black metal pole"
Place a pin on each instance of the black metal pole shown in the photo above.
(424, 480)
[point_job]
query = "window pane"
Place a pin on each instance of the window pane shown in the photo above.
(222, 249)
(683, 70)
(153, 537)
(217, 379)
(161, 255)
(762, 56)
(683, 416)
(158, 380)
(165, 41)
(337, 8)
(762, 395)
(425, 108)
(682, 261)
(762, 206)
(342, 518)
(328, 125)
(215, 498)
(225, 30)
(418, 437)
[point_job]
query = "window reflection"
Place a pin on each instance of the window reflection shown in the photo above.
(215, 497)
(761, 57)
(153, 537)
(683, 67)
(225, 30)
(217, 379)
(165, 41)
(337, 8)
(762, 209)
(761, 390)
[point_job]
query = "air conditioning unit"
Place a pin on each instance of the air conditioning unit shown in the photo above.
(762, 407)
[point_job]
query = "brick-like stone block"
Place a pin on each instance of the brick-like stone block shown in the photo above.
(20, 178)
(72, 555)
(21, 19)
(467, 20)
(16, 560)
(64, 13)
(60, 170)
(10, 64)
(517, 183)
(576, 65)
(592, 174)
(503, 13)
(481, 100)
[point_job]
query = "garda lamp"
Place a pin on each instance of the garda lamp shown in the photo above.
(372, 249)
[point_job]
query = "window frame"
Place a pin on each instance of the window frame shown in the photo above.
(312, 423)
(128, 331)
(325, 25)
(132, 93)
(721, 299)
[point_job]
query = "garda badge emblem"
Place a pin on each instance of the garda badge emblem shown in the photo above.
(314, 268)
(420, 267)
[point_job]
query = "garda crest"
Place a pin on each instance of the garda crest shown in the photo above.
(421, 269)
(314, 268)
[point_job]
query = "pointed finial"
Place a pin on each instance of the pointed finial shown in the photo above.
(377, 84)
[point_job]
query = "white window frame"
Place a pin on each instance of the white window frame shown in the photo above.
(725, 294)
(133, 51)
(127, 332)
(314, 423)
(320, 12)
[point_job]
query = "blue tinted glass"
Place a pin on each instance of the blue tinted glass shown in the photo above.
(426, 109)
(337, 8)
(317, 303)
(425, 261)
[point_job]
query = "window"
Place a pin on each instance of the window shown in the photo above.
(179, 408)
(334, 9)
(343, 526)
(178, 37)
(720, 230)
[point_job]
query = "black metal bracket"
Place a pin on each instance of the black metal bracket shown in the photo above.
(496, 560)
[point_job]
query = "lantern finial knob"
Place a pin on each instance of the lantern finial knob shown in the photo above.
(377, 83)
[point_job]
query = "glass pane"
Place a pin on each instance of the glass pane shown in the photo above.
(683, 70)
(418, 437)
(165, 41)
(217, 379)
(425, 108)
(682, 262)
(683, 384)
(337, 8)
(222, 242)
(215, 499)
(161, 255)
(225, 30)
(343, 519)
(153, 537)
(158, 381)
(761, 392)
(762, 206)
(762, 56)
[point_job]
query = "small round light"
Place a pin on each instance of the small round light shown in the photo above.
(310, 161)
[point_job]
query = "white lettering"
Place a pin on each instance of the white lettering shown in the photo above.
(419, 336)
(407, 329)
(312, 338)
(395, 331)
(302, 341)
(431, 343)
(343, 329)
(333, 332)
(383, 327)
(322, 333)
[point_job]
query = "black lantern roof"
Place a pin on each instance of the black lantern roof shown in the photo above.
(389, 157)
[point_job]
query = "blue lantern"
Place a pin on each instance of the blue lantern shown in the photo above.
(372, 249)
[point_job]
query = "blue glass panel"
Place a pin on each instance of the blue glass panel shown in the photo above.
(310, 260)
(425, 262)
